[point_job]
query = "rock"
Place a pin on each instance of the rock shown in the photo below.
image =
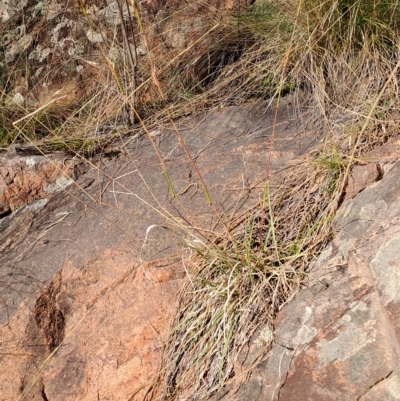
(26, 179)
(339, 338)
(364, 175)
(361, 177)
(90, 275)
(54, 55)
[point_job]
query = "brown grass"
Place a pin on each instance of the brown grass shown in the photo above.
(349, 79)
(340, 61)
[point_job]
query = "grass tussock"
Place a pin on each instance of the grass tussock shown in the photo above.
(342, 59)
(235, 288)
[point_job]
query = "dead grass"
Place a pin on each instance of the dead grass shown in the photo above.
(340, 60)
(235, 288)
(345, 60)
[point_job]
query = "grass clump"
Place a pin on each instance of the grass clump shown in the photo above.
(341, 57)
(238, 286)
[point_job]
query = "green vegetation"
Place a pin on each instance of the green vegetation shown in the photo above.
(340, 61)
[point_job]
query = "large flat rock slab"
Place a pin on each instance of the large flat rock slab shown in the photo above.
(90, 276)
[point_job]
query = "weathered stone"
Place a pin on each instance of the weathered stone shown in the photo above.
(54, 58)
(26, 179)
(339, 338)
(388, 390)
(361, 177)
(96, 268)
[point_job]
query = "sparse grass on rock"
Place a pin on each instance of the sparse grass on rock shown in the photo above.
(340, 61)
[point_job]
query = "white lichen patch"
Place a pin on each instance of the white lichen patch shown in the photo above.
(17, 47)
(309, 313)
(25, 42)
(393, 387)
(140, 50)
(8, 8)
(386, 269)
(369, 210)
(38, 205)
(353, 332)
(75, 48)
(18, 99)
(30, 161)
(61, 183)
(64, 24)
(265, 337)
(42, 7)
(38, 72)
(94, 37)
(307, 331)
(52, 10)
(40, 53)
(305, 335)
(342, 347)
(110, 14)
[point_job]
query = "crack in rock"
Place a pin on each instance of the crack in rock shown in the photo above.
(375, 384)
(48, 315)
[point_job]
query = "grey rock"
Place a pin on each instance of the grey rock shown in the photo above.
(339, 338)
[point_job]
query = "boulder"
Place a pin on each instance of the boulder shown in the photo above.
(91, 274)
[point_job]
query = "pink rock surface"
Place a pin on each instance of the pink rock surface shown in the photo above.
(26, 179)
(94, 272)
